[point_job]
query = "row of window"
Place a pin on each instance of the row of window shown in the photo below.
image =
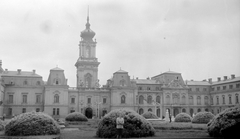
(149, 88)
(198, 89)
(229, 99)
(176, 100)
(218, 88)
(10, 112)
(24, 98)
(149, 99)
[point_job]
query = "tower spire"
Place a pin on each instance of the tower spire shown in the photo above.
(88, 24)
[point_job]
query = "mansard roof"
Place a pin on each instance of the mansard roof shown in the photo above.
(146, 81)
(197, 83)
(22, 74)
(120, 71)
(226, 81)
(57, 68)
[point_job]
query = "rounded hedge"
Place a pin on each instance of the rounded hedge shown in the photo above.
(76, 116)
(135, 125)
(1, 125)
(32, 123)
(226, 123)
(202, 117)
(183, 117)
(149, 115)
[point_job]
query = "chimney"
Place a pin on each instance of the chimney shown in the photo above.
(19, 71)
(6, 70)
(137, 78)
(204, 80)
(210, 80)
(148, 78)
(225, 78)
(232, 76)
(219, 79)
(34, 72)
(0, 63)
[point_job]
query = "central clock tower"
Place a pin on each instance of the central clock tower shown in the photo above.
(87, 63)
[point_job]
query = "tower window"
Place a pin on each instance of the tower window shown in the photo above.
(56, 98)
(123, 99)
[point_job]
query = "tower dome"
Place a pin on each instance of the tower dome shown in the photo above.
(87, 34)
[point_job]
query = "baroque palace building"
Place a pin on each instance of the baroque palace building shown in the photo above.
(24, 91)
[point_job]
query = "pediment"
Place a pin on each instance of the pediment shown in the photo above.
(175, 84)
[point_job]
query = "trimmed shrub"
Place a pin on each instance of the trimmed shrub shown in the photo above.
(135, 125)
(149, 115)
(76, 116)
(202, 117)
(225, 124)
(183, 117)
(32, 123)
(1, 125)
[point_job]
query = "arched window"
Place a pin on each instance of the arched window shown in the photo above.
(88, 52)
(230, 99)
(56, 98)
(141, 99)
(150, 110)
(217, 100)
(140, 111)
(183, 100)
(206, 100)
(88, 80)
(223, 97)
(199, 110)
(149, 99)
(236, 101)
(122, 83)
(191, 100)
(191, 112)
(206, 109)
(158, 99)
(123, 99)
(183, 110)
(158, 112)
(198, 100)
(176, 98)
(211, 100)
(37, 109)
(168, 99)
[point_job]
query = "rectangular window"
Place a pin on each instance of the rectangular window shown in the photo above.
(37, 109)
(38, 98)
(211, 100)
(57, 111)
(224, 87)
(190, 89)
(197, 89)
(237, 99)
(218, 88)
(217, 100)
(24, 100)
(73, 100)
(230, 99)
(230, 86)
(23, 110)
(238, 85)
(10, 97)
(104, 100)
(10, 111)
(213, 89)
(54, 111)
(204, 89)
(89, 100)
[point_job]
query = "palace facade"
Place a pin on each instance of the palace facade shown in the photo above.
(24, 91)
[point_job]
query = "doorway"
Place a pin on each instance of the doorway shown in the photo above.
(88, 113)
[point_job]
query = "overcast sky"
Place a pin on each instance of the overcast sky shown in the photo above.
(198, 38)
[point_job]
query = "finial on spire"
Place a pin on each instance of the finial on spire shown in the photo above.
(88, 14)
